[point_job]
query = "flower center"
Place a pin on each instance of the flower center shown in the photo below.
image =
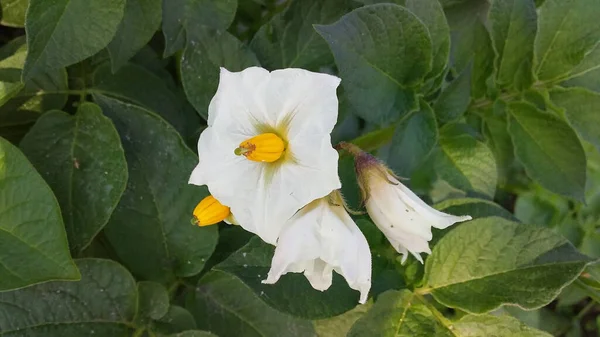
(266, 147)
(210, 211)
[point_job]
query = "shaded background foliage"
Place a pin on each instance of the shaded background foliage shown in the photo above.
(490, 107)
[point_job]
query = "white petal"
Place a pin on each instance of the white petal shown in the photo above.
(322, 238)
(403, 217)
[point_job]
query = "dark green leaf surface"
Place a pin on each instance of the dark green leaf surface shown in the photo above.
(383, 53)
(153, 301)
(82, 160)
(292, 293)
(288, 40)
(102, 303)
(224, 305)
(549, 149)
(582, 109)
(140, 21)
(513, 27)
(205, 52)
(177, 319)
(567, 31)
(399, 314)
(414, 139)
(181, 17)
(488, 262)
(135, 84)
(193, 333)
(150, 229)
(476, 208)
(467, 164)
(432, 15)
(57, 35)
(454, 99)
(32, 236)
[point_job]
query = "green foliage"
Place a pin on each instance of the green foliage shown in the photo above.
(487, 108)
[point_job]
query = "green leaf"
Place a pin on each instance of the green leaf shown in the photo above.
(222, 304)
(82, 160)
(567, 31)
(205, 52)
(57, 35)
(150, 229)
(497, 326)
(549, 149)
(540, 207)
(399, 314)
(102, 303)
(513, 26)
(193, 333)
(476, 208)
(13, 12)
(586, 74)
(455, 98)
(288, 40)
(153, 301)
(140, 21)
(182, 16)
(581, 109)
(431, 13)
(495, 130)
(340, 325)
(383, 53)
(135, 84)
(488, 262)
(22, 103)
(32, 237)
(414, 139)
(177, 319)
(292, 293)
(467, 164)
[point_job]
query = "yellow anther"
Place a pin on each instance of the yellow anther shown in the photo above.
(266, 147)
(210, 211)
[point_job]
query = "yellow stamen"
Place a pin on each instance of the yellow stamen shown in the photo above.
(210, 211)
(266, 147)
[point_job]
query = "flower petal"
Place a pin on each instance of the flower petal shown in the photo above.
(321, 238)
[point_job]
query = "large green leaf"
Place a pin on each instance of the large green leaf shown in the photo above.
(467, 164)
(292, 293)
(141, 20)
(567, 31)
(22, 103)
(102, 303)
(454, 100)
(432, 15)
(288, 40)
(150, 229)
(549, 149)
(182, 16)
(13, 12)
(68, 31)
(513, 26)
(32, 236)
(581, 109)
(82, 160)
(135, 84)
(414, 139)
(399, 314)
(205, 52)
(383, 53)
(586, 74)
(225, 306)
(488, 262)
(497, 326)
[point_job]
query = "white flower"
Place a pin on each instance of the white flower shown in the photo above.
(319, 239)
(267, 150)
(401, 215)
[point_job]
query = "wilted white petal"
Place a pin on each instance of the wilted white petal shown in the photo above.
(300, 107)
(321, 238)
